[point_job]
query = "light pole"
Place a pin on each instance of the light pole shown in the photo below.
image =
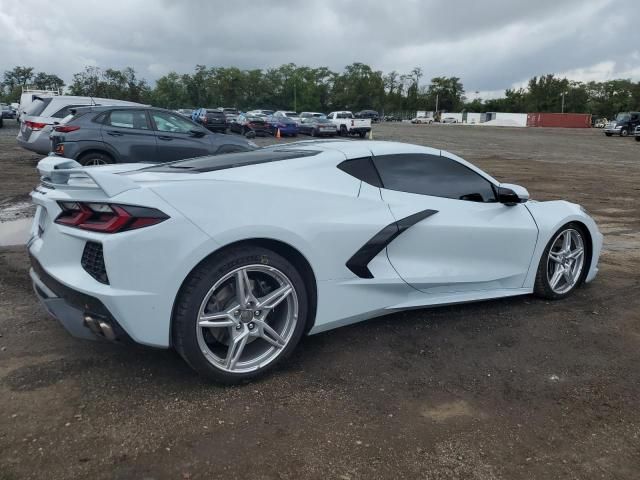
(563, 94)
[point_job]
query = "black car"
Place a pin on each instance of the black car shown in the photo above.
(245, 124)
(372, 114)
(317, 127)
(637, 133)
(101, 135)
(211, 118)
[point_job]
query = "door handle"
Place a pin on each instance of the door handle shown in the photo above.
(165, 137)
(114, 133)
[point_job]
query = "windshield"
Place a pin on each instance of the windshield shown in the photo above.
(622, 117)
(291, 114)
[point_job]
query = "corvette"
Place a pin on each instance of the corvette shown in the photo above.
(232, 259)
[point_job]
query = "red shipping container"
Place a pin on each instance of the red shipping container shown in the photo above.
(563, 120)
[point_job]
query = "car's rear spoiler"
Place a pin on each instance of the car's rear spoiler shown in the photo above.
(67, 173)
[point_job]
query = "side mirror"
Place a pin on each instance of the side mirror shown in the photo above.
(194, 132)
(511, 194)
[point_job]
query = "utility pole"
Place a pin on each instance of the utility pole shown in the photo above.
(437, 98)
(563, 94)
(295, 97)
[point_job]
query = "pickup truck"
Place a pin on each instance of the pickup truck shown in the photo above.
(347, 124)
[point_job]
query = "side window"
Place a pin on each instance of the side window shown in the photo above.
(433, 175)
(63, 112)
(128, 119)
(362, 169)
(168, 122)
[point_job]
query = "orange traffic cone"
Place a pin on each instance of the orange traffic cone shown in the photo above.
(278, 133)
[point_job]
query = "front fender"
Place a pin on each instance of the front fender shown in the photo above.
(550, 217)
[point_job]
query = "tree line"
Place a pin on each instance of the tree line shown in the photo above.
(304, 88)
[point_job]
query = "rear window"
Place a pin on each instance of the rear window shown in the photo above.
(230, 160)
(37, 106)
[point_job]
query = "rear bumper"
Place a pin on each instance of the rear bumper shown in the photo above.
(83, 316)
(359, 130)
(38, 142)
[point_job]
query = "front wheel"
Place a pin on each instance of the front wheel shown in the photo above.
(343, 130)
(607, 134)
(638, 138)
(563, 264)
(624, 132)
(239, 314)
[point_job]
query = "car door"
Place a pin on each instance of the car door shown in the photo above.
(128, 132)
(178, 138)
(456, 237)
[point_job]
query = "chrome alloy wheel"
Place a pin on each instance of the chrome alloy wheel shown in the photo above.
(565, 261)
(247, 318)
(94, 162)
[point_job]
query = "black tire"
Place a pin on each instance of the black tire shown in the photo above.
(624, 132)
(362, 134)
(541, 287)
(1, 122)
(196, 287)
(637, 138)
(343, 131)
(96, 158)
(313, 132)
(607, 134)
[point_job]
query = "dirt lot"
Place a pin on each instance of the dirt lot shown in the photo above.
(508, 389)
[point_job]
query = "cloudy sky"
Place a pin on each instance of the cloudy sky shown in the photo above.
(490, 44)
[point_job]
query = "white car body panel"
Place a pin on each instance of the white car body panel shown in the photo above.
(467, 251)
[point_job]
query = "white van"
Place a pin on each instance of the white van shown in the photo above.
(38, 119)
(28, 95)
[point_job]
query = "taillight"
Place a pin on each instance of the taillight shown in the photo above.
(66, 128)
(35, 125)
(107, 217)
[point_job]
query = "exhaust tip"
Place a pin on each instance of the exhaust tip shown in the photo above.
(100, 328)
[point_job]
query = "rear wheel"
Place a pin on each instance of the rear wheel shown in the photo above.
(240, 314)
(362, 134)
(563, 266)
(95, 158)
(343, 130)
(637, 137)
(607, 134)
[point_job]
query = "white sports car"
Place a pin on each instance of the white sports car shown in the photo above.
(231, 259)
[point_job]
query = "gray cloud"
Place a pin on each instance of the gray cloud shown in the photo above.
(490, 44)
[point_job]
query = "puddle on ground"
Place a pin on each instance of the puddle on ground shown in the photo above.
(15, 232)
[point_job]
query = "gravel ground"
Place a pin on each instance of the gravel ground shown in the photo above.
(506, 389)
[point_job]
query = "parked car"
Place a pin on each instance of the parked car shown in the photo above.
(28, 95)
(286, 114)
(637, 133)
(286, 125)
(449, 120)
(347, 124)
(371, 114)
(261, 113)
(312, 114)
(230, 113)
(125, 134)
(427, 120)
(6, 111)
(226, 258)
(317, 127)
(245, 123)
(624, 124)
(185, 112)
(38, 120)
(212, 119)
